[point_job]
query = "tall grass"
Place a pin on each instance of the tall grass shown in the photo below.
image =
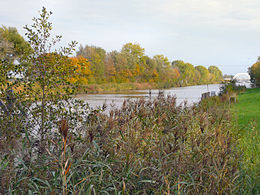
(145, 147)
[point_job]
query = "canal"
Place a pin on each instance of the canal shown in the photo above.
(191, 94)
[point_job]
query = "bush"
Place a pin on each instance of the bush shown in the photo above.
(231, 87)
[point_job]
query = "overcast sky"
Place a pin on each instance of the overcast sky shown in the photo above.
(225, 33)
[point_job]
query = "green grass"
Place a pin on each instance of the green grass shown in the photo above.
(247, 114)
(247, 109)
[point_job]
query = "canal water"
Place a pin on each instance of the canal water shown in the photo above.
(191, 94)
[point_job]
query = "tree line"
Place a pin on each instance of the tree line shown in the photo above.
(94, 65)
(130, 64)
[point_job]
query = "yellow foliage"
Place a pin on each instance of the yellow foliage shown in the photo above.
(82, 70)
(137, 69)
(176, 73)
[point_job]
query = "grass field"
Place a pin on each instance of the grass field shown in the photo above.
(247, 109)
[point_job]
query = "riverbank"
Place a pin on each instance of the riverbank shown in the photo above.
(246, 114)
(247, 108)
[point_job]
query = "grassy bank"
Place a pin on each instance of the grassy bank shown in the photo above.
(246, 113)
(247, 109)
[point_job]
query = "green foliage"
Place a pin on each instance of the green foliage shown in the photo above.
(46, 78)
(131, 65)
(204, 74)
(187, 72)
(13, 48)
(33, 103)
(13, 44)
(254, 72)
(215, 74)
(96, 56)
(231, 88)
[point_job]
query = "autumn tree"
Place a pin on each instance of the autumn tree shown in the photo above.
(134, 54)
(120, 64)
(81, 67)
(47, 75)
(203, 73)
(164, 69)
(254, 72)
(132, 65)
(110, 70)
(13, 47)
(215, 74)
(162, 62)
(150, 73)
(187, 72)
(96, 56)
(12, 44)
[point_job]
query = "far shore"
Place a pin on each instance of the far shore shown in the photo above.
(115, 88)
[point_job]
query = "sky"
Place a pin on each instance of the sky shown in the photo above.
(224, 33)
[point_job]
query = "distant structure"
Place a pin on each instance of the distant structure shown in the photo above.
(241, 77)
(227, 78)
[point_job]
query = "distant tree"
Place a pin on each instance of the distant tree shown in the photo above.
(110, 70)
(187, 72)
(120, 63)
(134, 50)
(215, 74)
(134, 54)
(162, 61)
(12, 43)
(81, 67)
(254, 72)
(6, 47)
(13, 47)
(132, 65)
(150, 73)
(197, 76)
(204, 74)
(96, 56)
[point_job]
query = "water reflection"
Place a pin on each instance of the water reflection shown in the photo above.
(190, 94)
